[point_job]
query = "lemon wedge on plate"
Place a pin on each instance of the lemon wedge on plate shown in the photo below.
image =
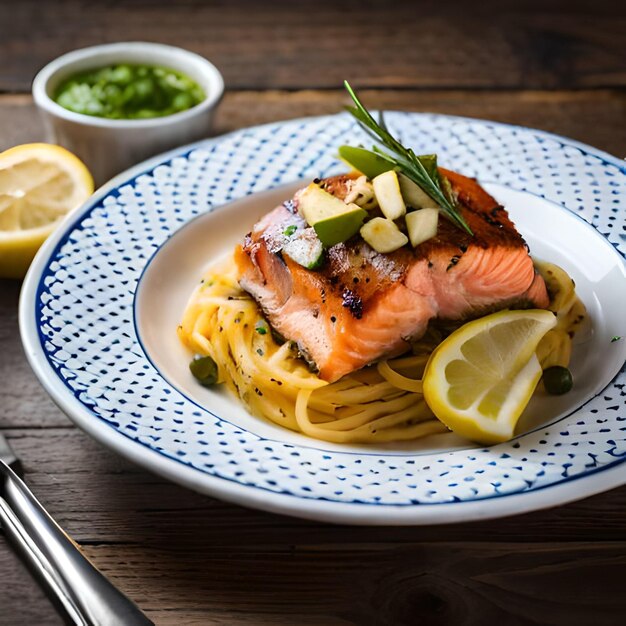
(480, 378)
(39, 184)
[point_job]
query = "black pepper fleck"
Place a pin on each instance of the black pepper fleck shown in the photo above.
(353, 303)
(491, 221)
(453, 261)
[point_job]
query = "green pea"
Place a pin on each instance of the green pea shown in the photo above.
(182, 101)
(128, 94)
(144, 89)
(557, 380)
(144, 114)
(173, 81)
(112, 94)
(121, 75)
(204, 369)
(93, 108)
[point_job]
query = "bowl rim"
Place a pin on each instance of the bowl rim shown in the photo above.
(42, 79)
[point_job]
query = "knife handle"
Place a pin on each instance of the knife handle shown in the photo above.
(85, 596)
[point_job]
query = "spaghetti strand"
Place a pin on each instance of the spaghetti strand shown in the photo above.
(380, 403)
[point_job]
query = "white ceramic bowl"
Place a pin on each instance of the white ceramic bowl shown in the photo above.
(111, 146)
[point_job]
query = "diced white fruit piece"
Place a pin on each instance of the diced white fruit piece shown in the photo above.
(383, 235)
(388, 195)
(306, 249)
(413, 194)
(334, 221)
(422, 225)
(315, 205)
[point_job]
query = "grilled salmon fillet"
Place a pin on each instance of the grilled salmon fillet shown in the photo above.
(363, 305)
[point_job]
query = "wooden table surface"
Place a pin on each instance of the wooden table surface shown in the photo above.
(189, 559)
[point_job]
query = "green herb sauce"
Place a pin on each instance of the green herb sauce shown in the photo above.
(124, 92)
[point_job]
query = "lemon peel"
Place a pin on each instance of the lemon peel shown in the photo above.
(479, 379)
(39, 184)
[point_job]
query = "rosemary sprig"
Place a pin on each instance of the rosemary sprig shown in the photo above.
(419, 169)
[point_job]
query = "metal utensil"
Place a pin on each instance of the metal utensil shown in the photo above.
(81, 593)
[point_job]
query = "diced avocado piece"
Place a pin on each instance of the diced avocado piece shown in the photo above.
(364, 161)
(383, 235)
(341, 227)
(334, 221)
(315, 204)
(422, 225)
(388, 195)
(413, 194)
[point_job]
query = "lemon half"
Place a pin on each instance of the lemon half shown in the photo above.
(479, 380)
(39, 184)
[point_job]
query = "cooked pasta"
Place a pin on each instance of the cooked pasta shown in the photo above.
(556, 346)
(380, 403)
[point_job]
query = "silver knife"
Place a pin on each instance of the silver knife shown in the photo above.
(81, 593)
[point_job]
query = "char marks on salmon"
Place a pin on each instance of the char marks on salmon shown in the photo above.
(363, 305)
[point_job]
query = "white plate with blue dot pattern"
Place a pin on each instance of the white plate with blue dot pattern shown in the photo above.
(101, 302)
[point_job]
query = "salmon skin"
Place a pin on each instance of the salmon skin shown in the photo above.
(362, 305)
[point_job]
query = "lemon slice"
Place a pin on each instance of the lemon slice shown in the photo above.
(39, 184)
(479, 380)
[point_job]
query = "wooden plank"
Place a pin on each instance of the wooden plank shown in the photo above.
(24, 401)
(100, 498)
(442, 583)
(461, 583)
(595, 117)
(318, 43)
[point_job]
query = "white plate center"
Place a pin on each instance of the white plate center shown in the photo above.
(553, 234)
